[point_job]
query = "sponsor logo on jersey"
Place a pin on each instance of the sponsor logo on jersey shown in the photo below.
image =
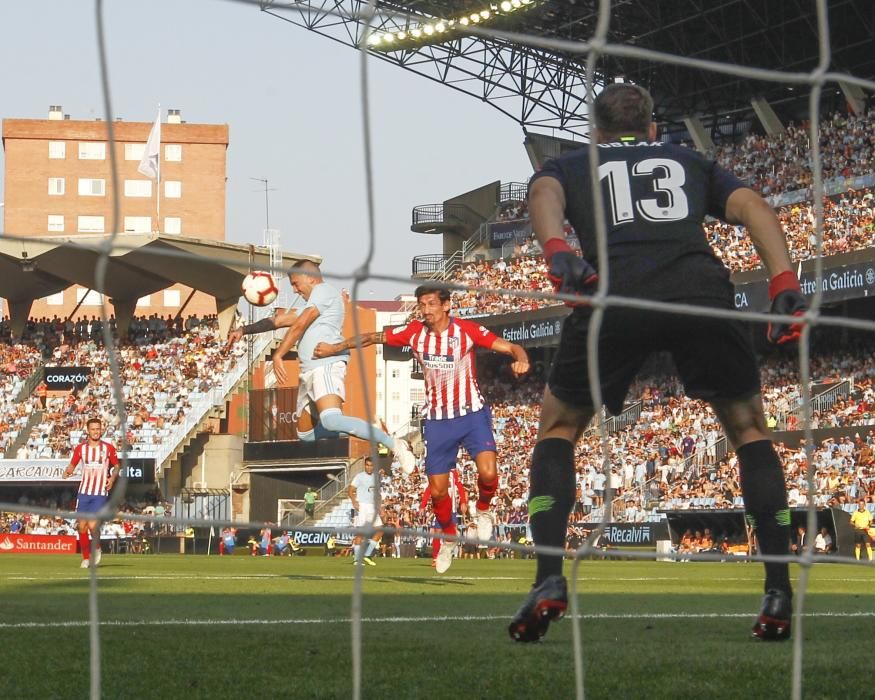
(438, 362)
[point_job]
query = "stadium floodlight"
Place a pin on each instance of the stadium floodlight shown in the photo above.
(437, 25)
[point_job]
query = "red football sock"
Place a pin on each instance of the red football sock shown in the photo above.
(485, 492)
(85, 544)
(443, 513)
(435, 548)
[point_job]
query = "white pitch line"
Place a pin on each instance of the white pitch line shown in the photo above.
(291, 574)
(304, 576)
(399, 619)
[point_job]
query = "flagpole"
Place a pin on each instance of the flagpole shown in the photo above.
(158, 183)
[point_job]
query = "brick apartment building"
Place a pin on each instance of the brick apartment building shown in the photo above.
(58, 182)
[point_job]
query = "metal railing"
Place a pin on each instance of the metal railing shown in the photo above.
(443, 214)
(513, 192)
(613, 424)
(290, 511)
(470, 245)
(821, 402)
(428, 264)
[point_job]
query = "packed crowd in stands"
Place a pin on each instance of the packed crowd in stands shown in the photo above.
(848, 225)
(164, 366)
(781, 163)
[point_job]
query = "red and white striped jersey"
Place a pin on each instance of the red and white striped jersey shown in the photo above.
(96, 461)
(447, 361)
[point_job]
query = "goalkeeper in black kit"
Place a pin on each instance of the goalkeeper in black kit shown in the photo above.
(655, 199)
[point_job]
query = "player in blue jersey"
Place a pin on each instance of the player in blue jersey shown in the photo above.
(318, 318)
(655, 197)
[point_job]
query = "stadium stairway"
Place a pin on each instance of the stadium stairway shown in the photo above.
(339, 516)
(217, 407)
(30, 383)
(34, 419)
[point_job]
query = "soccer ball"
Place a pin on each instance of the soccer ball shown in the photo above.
(259, 288)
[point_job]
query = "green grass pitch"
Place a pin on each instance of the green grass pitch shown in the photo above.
(241, 627)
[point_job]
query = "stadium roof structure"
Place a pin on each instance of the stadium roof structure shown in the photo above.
(477, 47)
(138, 264)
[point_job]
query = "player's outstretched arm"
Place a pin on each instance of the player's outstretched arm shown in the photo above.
(520, 365)
(300, 323)
(358, 341)
(744, 206)
(281, 319)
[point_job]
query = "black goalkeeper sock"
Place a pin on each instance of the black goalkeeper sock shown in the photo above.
(551, 498)
(765, 500)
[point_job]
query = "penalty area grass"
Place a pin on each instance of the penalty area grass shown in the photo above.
(244, 627)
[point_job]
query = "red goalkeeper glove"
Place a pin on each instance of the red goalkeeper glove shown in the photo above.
(787, 300)
(569, 273)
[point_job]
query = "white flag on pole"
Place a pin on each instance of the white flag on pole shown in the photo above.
(149, 162)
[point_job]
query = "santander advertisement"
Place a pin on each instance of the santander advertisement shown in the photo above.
(37, 544)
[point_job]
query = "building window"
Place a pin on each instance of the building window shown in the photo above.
(56, 185)
(138, 224)
(90, 150)
(396, 395)
(172, 224)
(56, 223)
(172, 297)
(396, 374)
(92, 298)
(89, 187)
(173, 153)
(173, 189)
(57, 150)
(134, 151)
(145, 301)
(138, 188)
(55, 299)
(90, 224)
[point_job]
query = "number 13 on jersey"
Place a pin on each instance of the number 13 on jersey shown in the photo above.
(668, 178)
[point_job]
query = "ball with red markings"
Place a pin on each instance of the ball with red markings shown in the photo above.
(259, 288)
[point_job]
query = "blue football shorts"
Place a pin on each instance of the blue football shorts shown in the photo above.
(473, 431)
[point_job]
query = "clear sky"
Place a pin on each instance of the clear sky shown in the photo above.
(292, 101)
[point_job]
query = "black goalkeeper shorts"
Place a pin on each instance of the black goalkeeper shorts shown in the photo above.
(714, 357)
